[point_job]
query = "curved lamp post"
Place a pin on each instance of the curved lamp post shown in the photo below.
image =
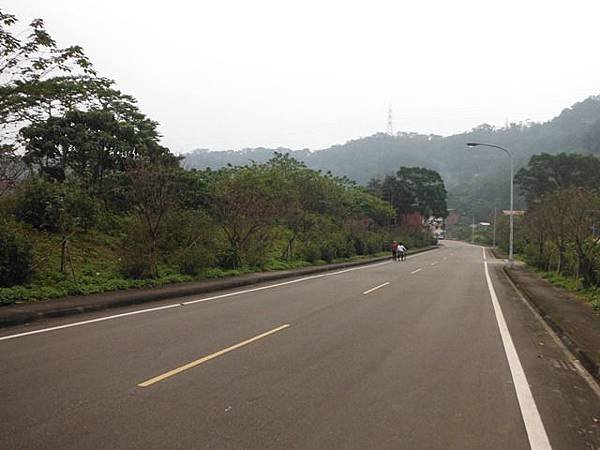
(510, 159)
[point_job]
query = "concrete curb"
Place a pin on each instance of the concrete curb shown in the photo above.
(592, 366)
(29, 312)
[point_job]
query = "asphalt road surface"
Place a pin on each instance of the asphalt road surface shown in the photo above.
(430, 353)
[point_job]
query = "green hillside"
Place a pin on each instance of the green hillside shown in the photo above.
(476, 179)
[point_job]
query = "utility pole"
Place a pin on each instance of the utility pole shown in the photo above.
(473, 230)
(494, 232)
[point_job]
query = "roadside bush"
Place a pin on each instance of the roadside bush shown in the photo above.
(309, 251)
(360, 245)
(16, 255)
(373, 246)
(134, 260)
(328, 250)
(192, 243)
(193, 260)
(35, 204)
(51, 206)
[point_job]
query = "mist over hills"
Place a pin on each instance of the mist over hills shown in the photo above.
(476, 179)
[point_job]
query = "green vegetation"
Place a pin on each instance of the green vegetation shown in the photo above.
(560, 234)
(590, 295)
(90, 201)
(413, 189)
(476, 179)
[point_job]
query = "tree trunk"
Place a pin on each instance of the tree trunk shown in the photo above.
(63, 253)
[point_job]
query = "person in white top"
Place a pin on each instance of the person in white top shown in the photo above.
(401, 252)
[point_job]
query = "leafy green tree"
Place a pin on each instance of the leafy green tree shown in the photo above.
(427, 190)
(413, 189)
(581, 209)
(243, 204)
(25, 63)
(62, 208)
(301, 195)
(40, 81)
(547, 173)
(87, 144)
(153, 195)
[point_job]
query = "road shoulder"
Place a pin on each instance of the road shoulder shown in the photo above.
(566, 401)
(573, 320)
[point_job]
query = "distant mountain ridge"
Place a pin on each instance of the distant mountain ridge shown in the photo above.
(475, 179)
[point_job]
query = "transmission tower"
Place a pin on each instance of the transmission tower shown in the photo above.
(390, 124)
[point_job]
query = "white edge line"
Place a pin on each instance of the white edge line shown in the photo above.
(86, 322)
(191, 302)
(582, 371)
(415, 271)
(538, 439)
(376, 287)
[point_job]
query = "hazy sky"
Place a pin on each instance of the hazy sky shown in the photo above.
(223, 74)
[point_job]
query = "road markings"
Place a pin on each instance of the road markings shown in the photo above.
(434, 263)
(204, 359)
(86, 322)
(580, 369)
(376, 287)
(483, 250)
(538, 439)
(191, 302)
(415, 271)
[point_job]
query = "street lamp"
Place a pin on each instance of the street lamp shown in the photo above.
(510, 159)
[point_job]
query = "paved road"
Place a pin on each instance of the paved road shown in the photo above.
(393, 355)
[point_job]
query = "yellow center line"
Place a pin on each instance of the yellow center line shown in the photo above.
(204, 359)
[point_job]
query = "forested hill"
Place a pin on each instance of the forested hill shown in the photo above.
(476, 179)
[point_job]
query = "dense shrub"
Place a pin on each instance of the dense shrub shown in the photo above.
(134, 265)
(53, 206)
(191, 261)
(134, 259)
(16, 255)
(309, 251)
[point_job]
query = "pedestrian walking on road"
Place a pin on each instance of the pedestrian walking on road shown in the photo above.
(401, 252)
(394, 251)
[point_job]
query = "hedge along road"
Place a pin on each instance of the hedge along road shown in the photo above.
(381, 356)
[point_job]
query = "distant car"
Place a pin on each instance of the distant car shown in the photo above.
(440, 237)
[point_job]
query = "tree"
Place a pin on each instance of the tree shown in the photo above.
(547, 227)
(24, 66)
(62, 208)
(547, 173)
(12, 169)
(427, 189)
(39, 81)
(153, 196)
(413, 189)
(243, 204)
(562, 226)
(581, 207)
(86, 144)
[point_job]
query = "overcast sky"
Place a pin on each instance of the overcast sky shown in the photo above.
(223, 74)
